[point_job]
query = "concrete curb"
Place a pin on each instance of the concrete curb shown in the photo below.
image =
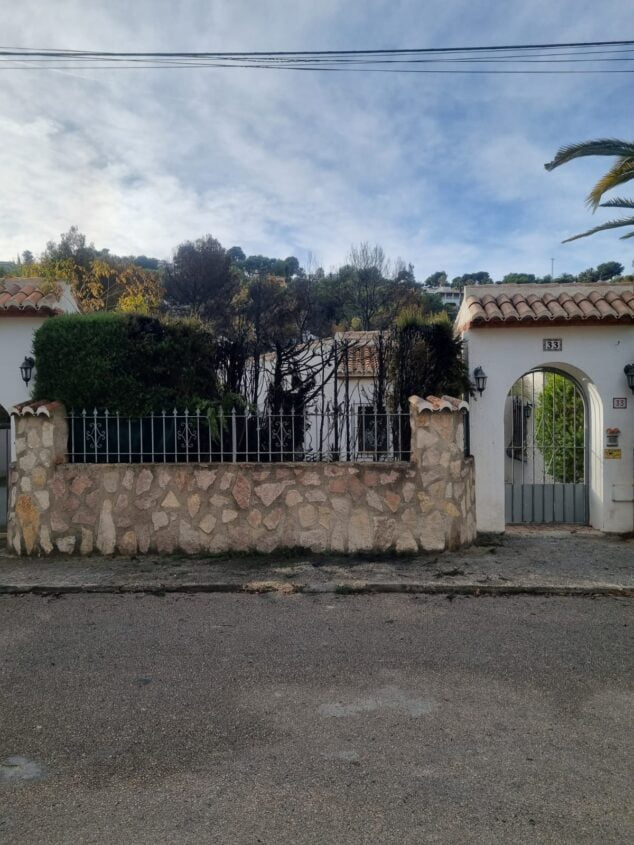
(331, 587)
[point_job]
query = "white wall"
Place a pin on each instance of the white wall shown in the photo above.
(595, 355)
(360, 389)
(360, 392)
(16, 341)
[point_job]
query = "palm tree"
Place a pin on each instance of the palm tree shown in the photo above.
(622, 171)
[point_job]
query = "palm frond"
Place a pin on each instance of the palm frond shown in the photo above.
(624, 237)
(621, 172)
(611, 224)
(618, 202)
(599, 147)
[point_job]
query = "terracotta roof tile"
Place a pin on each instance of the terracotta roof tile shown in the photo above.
(434, 403)
(362, 356)
(42, 408)
(361, 361)
(529, 304)
(20, 296)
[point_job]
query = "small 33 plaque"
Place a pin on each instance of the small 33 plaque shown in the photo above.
(552, 344)
(619, 402)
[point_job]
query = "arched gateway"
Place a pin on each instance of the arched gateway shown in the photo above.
(545, 450)
(552, 432)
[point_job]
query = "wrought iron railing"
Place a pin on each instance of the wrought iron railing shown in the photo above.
(466, 434)
(5, 457)
(358, 433)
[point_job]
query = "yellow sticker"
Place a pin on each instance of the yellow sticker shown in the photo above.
(612, 453)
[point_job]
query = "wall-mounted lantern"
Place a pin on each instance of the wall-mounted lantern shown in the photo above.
(26, 369)
(629, 374)
(480, 379)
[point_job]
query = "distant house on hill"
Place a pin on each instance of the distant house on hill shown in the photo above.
(449, 295)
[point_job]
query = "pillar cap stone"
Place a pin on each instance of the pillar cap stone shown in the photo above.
(42, 408)
(434, 403)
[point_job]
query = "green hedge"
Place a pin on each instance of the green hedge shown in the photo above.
(125, 362)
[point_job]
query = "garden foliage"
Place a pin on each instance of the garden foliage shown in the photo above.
(129, 363)
(425, 358)
(560, 429)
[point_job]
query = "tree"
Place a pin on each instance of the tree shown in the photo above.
(559, 429)
(291, 267)
(259, 265)
(608, 270)
(102, 286)
(587, 276)
(404, 274)
(425, 357)
(201, 278)
(436, 280)
(27, 258)
(99, 281)
(620, 172)
(602, 273)
(519, 279)
(72, 245)
(145, 262)
(431, 303)
(479, 278)
(370, 268)
(236, 254)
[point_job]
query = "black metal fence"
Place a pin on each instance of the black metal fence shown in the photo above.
(355, 433)
(5, 457)
(466, 433)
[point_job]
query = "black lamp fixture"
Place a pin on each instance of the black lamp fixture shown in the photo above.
(480, 379)
(629, 374)
(26, 369)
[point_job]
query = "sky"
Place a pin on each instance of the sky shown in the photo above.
(444, 171)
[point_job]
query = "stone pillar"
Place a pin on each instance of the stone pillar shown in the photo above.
(41, 436)
(446, 476)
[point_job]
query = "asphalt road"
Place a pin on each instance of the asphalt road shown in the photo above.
(327, 719)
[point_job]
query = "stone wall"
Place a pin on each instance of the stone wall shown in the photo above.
(427, 504)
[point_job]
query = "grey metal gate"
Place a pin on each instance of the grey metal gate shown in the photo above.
(5, 457)
(546, 455)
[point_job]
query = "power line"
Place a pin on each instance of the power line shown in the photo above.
(556, 58)
(384, 51)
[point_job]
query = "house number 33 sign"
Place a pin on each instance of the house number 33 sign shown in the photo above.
(552, 344)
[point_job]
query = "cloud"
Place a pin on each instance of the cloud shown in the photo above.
(446, 172)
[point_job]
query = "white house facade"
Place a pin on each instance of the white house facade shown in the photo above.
(449, 295)
(342, 412)
(24, 306)
(571, 460)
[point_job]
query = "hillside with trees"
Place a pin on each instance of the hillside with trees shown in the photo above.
(257, 296)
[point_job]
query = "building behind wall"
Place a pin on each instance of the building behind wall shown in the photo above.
(586, 334)
(25, 304)
(345, 403)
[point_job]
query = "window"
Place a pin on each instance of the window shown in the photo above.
(371, 430)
